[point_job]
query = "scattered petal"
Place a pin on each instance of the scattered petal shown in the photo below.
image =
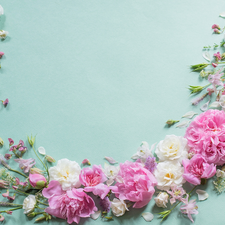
(183, 124)
(41, 150)
(206, 56)
(148, 216)
(215, 105)
(189, 115)
(222, 14)
(202, 195)
(95, 215)
(1, 10)
(111, 160)
(205, 106)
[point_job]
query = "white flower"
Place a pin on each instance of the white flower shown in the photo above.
(67, 173)
(29, 204)
(3, 34)
(162, 199)
(143, 152)
(220, 173)
(1, 10)
(111, 172)
(168, 173)
(222, 102)
(118, 207)
(172, 148)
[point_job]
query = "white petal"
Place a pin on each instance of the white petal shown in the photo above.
(148, 216)
(41, 150)
(206, 56)
(215, 105)
(205, 106)
(202, 195)
(183, 124)
(222, 14)
(111, 160)
(95, 215)
(189, 115)
(109, 182)
(1, 10)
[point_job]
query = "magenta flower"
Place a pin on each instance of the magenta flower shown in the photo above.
(214, 65)
(1, 54)
(11, 142)
(189, 208)
(25, 164)
(137, 184)
(206, 136)
(6, 102)
(215, 26)
(69, 205)
(18, 182)
(176, 193)
(217, 56)
(215, 79)
(8, 156)
(6, 195)
(4, 184)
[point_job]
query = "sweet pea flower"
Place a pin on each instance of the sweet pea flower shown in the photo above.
(8, 156)
(1, 218)
(6, 195)
(25, 164)
(215, 79)
(37, 181)
(4, 184)
(70, 205)
(150, 164)
(217, 56)
(197, 168)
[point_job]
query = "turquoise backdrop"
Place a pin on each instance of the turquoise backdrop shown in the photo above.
(95, 78)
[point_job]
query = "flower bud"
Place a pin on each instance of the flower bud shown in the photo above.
(36, 170)
(1, 217)
(216, 31)
(49, 158)
(215, 26)
(37, 181)
(223, 56)
(171, 122)
(1, 142)
(31, 140)
(33, 214)
(1, 54)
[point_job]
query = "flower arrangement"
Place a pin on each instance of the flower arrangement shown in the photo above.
(70, 192)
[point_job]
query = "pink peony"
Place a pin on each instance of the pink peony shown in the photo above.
(206, 136)
(197, 168)
(137, 184)
(70, 205)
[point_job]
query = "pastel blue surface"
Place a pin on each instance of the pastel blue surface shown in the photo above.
(96, 78)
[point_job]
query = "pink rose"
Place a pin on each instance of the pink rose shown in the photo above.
(197, 168)
(206, 136)
(137, 184)
(37, 181)
(71, 205)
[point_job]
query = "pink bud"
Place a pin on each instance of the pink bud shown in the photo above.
(37, 181)
(1, 218)
(11, 142)
(1, 54)
(86, 161)
(214, 65)
(9, 212)
(49, 158)
(216, 31)
(6, 102)
(8, 156)
(215, 26)
(36, 170)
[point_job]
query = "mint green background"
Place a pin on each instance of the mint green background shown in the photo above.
(96, 78)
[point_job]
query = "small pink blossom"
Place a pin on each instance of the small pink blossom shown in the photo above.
(11, 142)
(37, 181)
(18, 182)
(216, 31)
(215, 26)
(214, 65)
(6, 195)
(210, 91)
(86, 161)
(25, 164)
(70, 205)
(4, 184)
(176, 193)
(1, 218)
(6, 102)
(1, 54)
(8, 156)
(217, 56)
(189, 208)
(215, 79)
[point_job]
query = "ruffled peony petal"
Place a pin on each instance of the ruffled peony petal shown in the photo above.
(54, 188)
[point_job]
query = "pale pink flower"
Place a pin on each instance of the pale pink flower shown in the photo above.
(86, 161)
(215, 79)
(137, 184)
(6, 195)
(189, 208)
(4, 184)
(11, 142)
(210, 91)
(217, 56)
(70, 205)
(25, 164)
(37, 181)
(176, 193)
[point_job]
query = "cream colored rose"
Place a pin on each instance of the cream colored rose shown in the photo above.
(118, 207)
(172, 148)
(162, 199)
(29, 204)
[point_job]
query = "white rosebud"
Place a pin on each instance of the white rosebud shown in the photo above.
(172, 148)
(29, 204)
(3, 34)
(220, 173)
(162, 199)
(118, 207)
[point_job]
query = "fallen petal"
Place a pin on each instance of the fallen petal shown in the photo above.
(42, 151)
(222, 14)
(202, 195)
(205, 106)
(206, 56)
(189, 115)
(215, 105)
(111, 160)
(148, 216)
(95, 215)
(183, 124)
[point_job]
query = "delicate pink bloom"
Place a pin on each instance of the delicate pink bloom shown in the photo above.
(214, 65)
(6, 195)
(1, 54)
(217, 56)
(92, 176)
(215, 26)
(189, 208)
(18, 182)
(8, 156)
(216, 31)
(176, 193)
(22, 149)
(137, 184)
(6, 102)
(37, 181)
(1, 218)
(12, 148)
(21, 144)
(4, 184)
(9, 212)
(11, 142)
(215, 79)
(86, 161)
(210, 91)
(25, 164)
(206, 136)
(197, 168)
(70, 205)
(14, 187)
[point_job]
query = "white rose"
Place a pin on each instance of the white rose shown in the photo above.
(172, 148)
(220, 173)
(29, 204)
(3, 34)
(168, 173)
(1, 10)
(162, 199)
(118, 207)
(67, 173)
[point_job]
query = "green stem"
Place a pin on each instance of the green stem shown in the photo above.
(42, 203)
(5, 204)
(11, 209)
(22, 192)
(16, 171)
(206, 85)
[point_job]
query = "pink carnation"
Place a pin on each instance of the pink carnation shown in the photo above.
(197, 168)
(137, 184)
(69, 205)
(206, 136)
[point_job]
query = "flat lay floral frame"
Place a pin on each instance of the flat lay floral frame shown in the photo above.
(66, 191)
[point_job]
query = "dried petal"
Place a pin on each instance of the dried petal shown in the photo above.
(202, 195)
(41, 150)
(147, 216)
(111, 160)
(95, 215)
(206, 56)
(215, 105)
(189, 115)
(205, 106)
(222, 14)
(183, 124)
